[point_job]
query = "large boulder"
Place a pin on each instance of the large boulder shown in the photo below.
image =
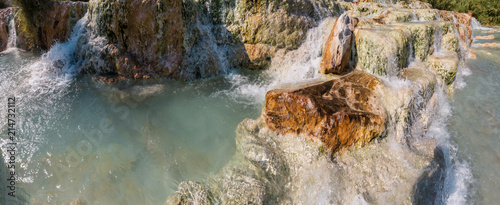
(341, 112)
(338, 46)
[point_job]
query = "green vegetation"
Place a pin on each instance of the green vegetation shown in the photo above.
(485, 11)
(32, 16)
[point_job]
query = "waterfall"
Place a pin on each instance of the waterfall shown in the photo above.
(476, 25)
(12, 41)
(56, 68)
(287, 67)
(438, 35)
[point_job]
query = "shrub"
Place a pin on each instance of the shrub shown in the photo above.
(485, 11)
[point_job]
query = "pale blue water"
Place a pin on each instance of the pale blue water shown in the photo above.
(475, 124)
(128, 143)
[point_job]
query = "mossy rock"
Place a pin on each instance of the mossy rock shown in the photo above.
(397, 16)
(422, 35)
(449, 42)
(445, 65)
(382, 50)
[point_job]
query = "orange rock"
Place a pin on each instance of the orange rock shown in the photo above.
(338, 46)
(472, 55)
(488, 37)
(341, 112)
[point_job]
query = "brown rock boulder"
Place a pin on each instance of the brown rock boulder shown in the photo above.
(56, 26)
(341, 112)
(338, 46)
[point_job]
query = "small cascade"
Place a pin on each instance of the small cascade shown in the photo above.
(12, 42)
(56, 68)
(438, 35)
(438, 18)
(454, 18)
(414, 17)
(477, 26)
(302, 64)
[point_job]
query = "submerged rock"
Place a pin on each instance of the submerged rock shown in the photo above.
(337, 50)
(341, 112)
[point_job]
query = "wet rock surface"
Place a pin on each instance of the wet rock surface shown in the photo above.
(337, 50)
(341, 112)
(56, 25)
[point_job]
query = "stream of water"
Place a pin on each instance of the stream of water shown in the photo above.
(133, 142)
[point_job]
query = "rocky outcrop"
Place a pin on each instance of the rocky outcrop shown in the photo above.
(444, 64)
(4, 27)
(414, 58)
(337, 50)
(341, 112)
(136, 38)
(55, 26)
(382, 51)
(192, 39)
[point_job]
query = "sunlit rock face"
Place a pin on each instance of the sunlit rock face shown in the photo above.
(272, 25)
(55, 26)
(381, 51)
(192, 39)
(337, 50)
(445, 64)
(463, 24)
(341, 112)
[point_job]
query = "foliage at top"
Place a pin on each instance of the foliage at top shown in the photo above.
(485, 11)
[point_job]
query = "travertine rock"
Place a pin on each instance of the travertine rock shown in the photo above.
(338, 46)
(341, 112)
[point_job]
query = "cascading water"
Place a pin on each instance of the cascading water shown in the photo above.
(12, 42)
(296, 66)
(135, 141)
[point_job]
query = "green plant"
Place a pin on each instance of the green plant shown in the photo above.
(485, 11)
